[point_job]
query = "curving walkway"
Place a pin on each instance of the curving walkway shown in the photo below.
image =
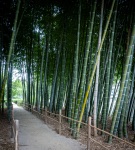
(35, 135)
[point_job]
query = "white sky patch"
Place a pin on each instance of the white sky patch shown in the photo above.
(16, 75)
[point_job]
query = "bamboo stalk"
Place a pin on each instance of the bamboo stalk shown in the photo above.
(10, 53)
(97, 71)
(94, 68)
(123, 82)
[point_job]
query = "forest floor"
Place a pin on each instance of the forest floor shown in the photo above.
(34, 134)
(96, 143)
(6, 143)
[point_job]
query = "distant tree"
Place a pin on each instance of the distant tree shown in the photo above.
(16, 88)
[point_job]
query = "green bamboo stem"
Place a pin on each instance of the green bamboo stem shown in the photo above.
(125, 132)
(41, 77)
(75, 68)
(9, 92)
(97, 71)
(131, 47)
(88, 43)
(56, 73)
(62, 80)
(131, 107)
(45, 86)
(94, 68)
(10, 52)
(124, 91)
(123, 113)
(106, 98)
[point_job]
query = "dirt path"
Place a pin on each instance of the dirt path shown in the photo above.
(35, 135)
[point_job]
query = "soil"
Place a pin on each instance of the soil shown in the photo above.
(6, 143)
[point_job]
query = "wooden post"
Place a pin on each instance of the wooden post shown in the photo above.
(60, 121)
(16, 134)
(32, 109)
(89, 133)
(16, 140)
(45, 114)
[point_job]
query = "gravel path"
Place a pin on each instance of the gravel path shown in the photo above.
(35, 135)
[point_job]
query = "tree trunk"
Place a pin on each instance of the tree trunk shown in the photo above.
(10, 52)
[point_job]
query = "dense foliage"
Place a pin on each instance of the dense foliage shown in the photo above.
(73, 55)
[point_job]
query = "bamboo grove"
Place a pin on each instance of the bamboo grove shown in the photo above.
(72, 55)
